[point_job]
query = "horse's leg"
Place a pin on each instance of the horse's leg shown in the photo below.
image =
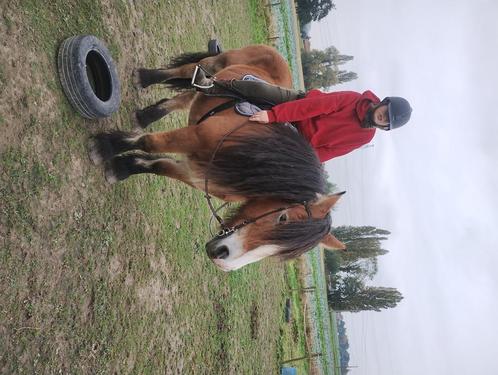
(104, 146)
(144, 117)
(121, 167)
(142, 77)
(176, 76)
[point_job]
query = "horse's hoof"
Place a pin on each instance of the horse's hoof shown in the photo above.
(93, 153)
(110, 176)
(135, 122)
(136, 80)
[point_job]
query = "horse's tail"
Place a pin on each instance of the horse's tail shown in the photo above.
(188, 58)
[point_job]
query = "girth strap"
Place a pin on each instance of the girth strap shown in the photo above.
(217, 109)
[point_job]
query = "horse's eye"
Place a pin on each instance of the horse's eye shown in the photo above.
(282, 218)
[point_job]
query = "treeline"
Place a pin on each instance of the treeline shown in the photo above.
(313, 10)
(343, 343)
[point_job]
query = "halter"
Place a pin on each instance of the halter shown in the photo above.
(226, 230)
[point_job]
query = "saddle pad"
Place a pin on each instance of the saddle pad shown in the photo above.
(248, 109)
(245, 108)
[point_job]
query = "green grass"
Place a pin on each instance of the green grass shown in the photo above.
(113, 279)
(319, 314)
(259, 18)
(287, 31)
(335, 336)
(292, 341)
(326, 326)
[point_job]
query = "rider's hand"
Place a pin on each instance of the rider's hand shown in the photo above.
(260, 117)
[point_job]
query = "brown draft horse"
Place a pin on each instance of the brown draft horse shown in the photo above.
(270, 169)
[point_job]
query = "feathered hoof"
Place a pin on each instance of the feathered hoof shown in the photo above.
(94, 153)
(110, 176)
(136, 79)
(119, 168)
(135, 122)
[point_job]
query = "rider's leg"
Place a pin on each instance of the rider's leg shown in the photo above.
(256, 92)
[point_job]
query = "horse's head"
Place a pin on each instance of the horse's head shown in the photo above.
(266, 227)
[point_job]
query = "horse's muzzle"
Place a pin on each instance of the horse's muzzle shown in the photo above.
(216, 251)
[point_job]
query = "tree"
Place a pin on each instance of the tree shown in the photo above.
(320, 68)
(329, 186)
(364, 246)
(352, 295)
(347, 233)
(349, 271)
(332, 56)
(313, 10)
(344, 76)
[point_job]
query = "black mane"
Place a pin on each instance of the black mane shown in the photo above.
(276, 162)
(298, 237)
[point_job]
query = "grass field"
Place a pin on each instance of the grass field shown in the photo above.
(323, 328)
(293, 339)
(100, 279)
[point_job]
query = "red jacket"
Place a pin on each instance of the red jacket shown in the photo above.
(329, 121)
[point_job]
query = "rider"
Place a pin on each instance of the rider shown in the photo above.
(334, 123)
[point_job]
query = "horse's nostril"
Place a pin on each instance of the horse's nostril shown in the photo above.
(211, 249)
(222, 252)
(217, 252)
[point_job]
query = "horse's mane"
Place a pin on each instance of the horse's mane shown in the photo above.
(293, 237)
(275, 162)
(298, 237)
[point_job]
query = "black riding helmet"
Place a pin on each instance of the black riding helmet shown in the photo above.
(399, 111)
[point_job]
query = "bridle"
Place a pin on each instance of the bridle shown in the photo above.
(225, 229)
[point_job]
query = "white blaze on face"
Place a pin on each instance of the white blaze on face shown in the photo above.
(237, 257)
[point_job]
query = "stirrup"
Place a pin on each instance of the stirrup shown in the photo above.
(194, 77)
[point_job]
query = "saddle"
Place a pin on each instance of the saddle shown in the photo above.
(242, 106)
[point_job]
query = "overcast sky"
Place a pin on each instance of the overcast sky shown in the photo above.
(433, 183)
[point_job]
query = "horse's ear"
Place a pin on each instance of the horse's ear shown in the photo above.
(332, 243)
(325, 203)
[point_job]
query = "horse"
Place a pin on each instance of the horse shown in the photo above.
(270, 170)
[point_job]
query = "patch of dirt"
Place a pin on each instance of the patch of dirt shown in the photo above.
(221, 355)
(116, 267)
(87, 308)
(157, 296)
(254, 320)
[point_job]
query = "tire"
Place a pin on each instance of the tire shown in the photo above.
(88, 76)
(214, 47)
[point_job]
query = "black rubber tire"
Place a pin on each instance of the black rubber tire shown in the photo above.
(88, 76)
(214, 47)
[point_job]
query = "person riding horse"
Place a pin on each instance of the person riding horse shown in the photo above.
(334, 123)
(270, 171)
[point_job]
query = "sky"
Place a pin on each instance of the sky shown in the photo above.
(432, 183)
